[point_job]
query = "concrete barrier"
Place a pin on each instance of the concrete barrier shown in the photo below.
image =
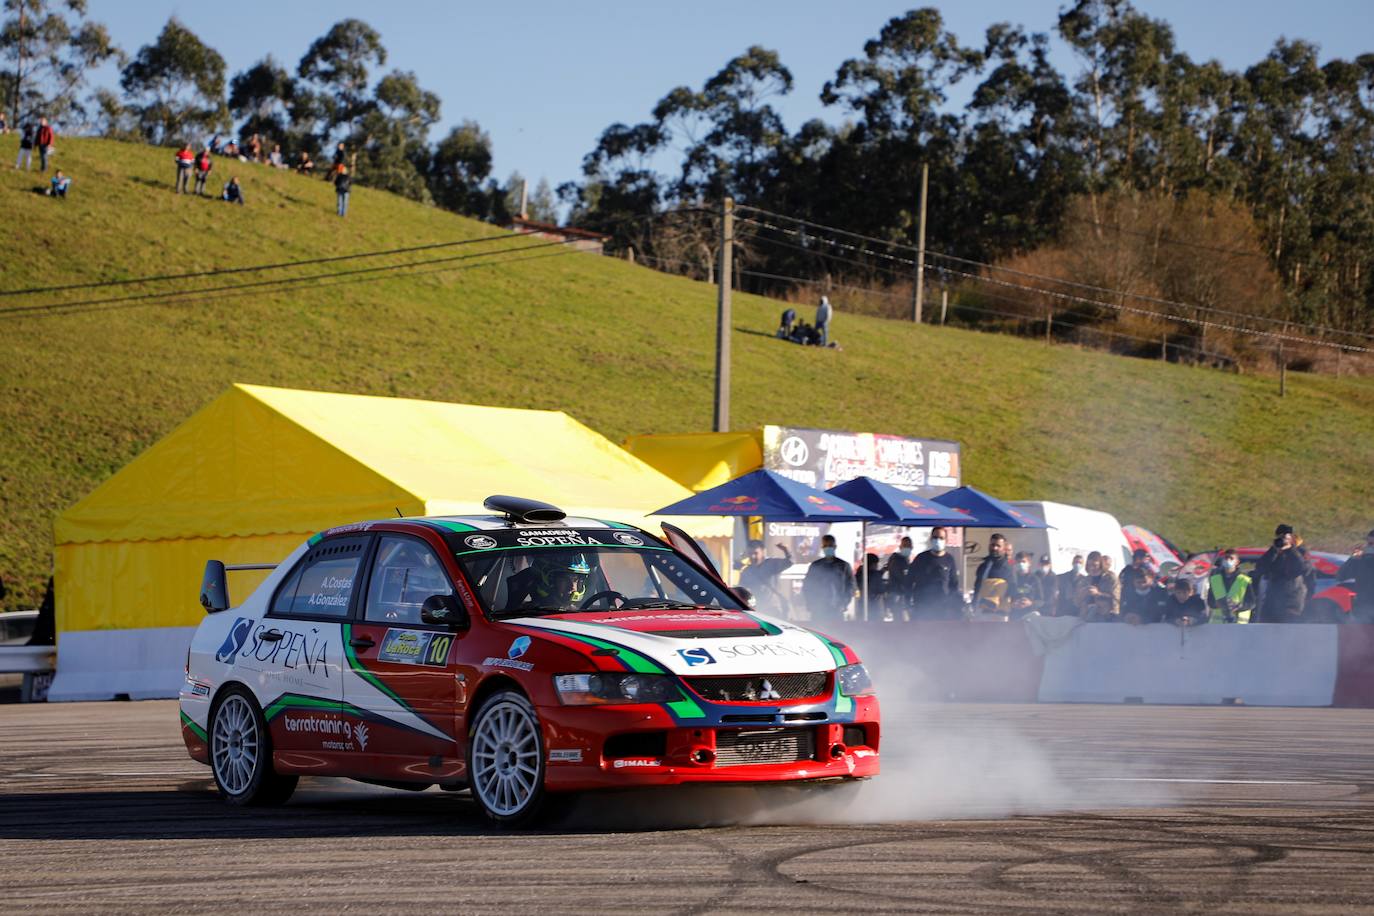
(1355, 668)
(1256, 664)
(144, 664)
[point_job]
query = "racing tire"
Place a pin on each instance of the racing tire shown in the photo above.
(505, 758)
(241, 753)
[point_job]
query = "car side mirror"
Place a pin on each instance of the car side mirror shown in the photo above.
(444, 611)
(214, 588)
(744, 595)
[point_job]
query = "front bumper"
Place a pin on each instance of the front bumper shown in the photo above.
(600, 747)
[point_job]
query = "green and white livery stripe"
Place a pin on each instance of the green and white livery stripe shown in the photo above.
(195, 729)
(406, 716)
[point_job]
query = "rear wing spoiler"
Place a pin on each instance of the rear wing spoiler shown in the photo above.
(214, 586)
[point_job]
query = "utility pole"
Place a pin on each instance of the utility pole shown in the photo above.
(726, 273)
(918, 298)
(524, 199)
(19, 72)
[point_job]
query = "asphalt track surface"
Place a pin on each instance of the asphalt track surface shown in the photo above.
(1025, 809)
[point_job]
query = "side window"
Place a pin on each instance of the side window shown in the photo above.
(404, 574)
(322, 583)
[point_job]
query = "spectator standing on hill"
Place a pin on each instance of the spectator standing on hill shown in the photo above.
(829, 584)
(1144, 601)
(340, 160)
(994, 566)
(25, 148)
(761, 575)
(824, 312)
(1068, 588)
(1184, 609)
(186, 162)
(233, 194)
(1360, 567)
(60, 183)
(44, 140)
(4, 129)
(203, 166)
(343, 183)
(897, 586)
(255, 148)
(1099, 593)
(933, 582)
(1287, 576)
(1230, 593)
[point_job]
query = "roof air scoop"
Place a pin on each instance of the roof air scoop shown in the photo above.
(530, 511)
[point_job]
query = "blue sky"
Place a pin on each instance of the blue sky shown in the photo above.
(544, 79)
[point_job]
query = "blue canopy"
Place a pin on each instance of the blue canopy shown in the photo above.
(896, 507)
(983, 511)
(768, 494)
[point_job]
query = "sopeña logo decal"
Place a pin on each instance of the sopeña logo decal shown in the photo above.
(238, 634)
(698, 656)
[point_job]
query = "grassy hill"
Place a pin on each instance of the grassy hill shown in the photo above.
(1201, 456)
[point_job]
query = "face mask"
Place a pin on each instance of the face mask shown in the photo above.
(1078, 569)
(1047, 569)
(828, 551)
(905, 551)
(1228, 565)
(1023, 567)
(937, 544)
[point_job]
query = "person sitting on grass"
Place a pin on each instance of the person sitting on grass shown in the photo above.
(306, 165)
(60, 183)
(233, 194)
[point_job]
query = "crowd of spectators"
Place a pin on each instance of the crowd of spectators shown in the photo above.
(1011, 585)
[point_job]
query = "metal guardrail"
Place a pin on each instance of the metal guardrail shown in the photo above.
(27, 659)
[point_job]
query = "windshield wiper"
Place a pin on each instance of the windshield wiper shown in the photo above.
(635, 604)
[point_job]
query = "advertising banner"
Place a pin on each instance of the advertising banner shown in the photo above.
(823, 458)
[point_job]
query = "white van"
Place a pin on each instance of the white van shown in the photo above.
(1074, 531)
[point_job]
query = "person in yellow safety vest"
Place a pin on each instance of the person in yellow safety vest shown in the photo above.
(1230, 593)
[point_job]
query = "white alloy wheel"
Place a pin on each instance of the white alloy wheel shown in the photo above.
(236, 745)
(241, 753)
(506, 766)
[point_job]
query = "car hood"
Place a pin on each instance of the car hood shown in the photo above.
(700, 642)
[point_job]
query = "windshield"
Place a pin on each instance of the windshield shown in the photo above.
(524, 571)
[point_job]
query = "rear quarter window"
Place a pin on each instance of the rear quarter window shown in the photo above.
(322, 583)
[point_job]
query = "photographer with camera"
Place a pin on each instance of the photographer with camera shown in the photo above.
(1286, 576)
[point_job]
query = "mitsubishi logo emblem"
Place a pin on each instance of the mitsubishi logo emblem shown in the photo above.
(766, 692)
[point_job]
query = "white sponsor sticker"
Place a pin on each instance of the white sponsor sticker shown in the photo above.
(565, 755)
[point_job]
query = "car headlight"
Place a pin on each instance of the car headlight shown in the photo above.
(854, 681)
(613, 687)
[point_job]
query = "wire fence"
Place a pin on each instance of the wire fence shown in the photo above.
(880, 279)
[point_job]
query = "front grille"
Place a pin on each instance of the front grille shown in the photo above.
(764, 745)
(760, 688)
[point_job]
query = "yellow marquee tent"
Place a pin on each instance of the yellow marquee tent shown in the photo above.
(259, 469)
(700, 461)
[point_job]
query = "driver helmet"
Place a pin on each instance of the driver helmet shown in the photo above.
(549, 566)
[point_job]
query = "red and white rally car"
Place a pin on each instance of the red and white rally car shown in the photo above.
(521, 655)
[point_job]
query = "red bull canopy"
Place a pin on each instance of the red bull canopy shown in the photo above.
(770, 495)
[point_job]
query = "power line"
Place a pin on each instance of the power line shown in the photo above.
(234, 293)
(260, 284)
(280, 265)
(983, 264)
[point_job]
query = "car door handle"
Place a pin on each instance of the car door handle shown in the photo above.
(272, 636)
(362, 642)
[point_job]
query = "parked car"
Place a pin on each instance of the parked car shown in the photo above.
(522, 655)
